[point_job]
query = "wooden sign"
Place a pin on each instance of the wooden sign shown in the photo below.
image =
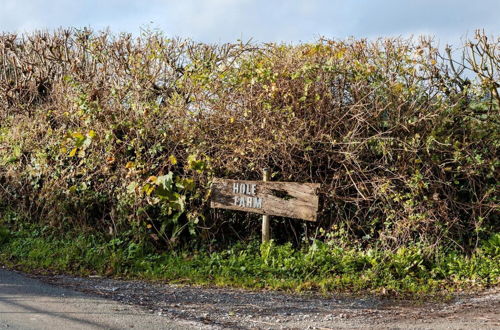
(286, 199)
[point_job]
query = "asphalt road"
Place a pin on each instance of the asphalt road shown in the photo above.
(27, 303)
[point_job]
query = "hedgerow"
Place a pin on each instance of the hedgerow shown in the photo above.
(123, 135)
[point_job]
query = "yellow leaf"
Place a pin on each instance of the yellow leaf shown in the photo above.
(91, 134)
(148, 189)
(129, 165)
(231, 120)
(78, 136)
(72, 153)
(152, 179)
(172, 159)
(398, 87)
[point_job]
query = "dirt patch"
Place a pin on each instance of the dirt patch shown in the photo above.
(240, 309)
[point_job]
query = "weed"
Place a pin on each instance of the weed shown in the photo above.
(318, 267)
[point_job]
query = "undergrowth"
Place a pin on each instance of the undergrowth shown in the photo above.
(321, 267)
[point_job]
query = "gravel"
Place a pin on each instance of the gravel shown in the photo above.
(242, 309)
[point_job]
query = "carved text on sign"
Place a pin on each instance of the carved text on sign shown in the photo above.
(246, 201)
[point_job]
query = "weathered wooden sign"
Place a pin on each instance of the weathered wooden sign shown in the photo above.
(286, 199)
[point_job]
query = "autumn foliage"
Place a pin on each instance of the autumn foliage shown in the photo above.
(123, 135)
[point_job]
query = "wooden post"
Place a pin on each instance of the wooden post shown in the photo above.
(265, 218)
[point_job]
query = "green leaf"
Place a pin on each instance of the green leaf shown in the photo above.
(165, 181)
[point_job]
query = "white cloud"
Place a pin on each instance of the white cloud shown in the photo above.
(262, 20)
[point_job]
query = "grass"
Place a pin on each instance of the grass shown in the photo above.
(319, 267)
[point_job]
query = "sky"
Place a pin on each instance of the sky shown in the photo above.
(290, 21)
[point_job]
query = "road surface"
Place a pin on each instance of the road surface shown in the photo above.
(67, 302)
(27, 303)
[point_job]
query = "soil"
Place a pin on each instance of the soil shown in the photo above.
(239, 309)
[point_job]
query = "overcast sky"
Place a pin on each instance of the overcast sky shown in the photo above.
(262, 20)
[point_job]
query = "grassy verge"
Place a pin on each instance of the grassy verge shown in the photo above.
(320, 267)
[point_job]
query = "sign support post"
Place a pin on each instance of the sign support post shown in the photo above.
(265, 218)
